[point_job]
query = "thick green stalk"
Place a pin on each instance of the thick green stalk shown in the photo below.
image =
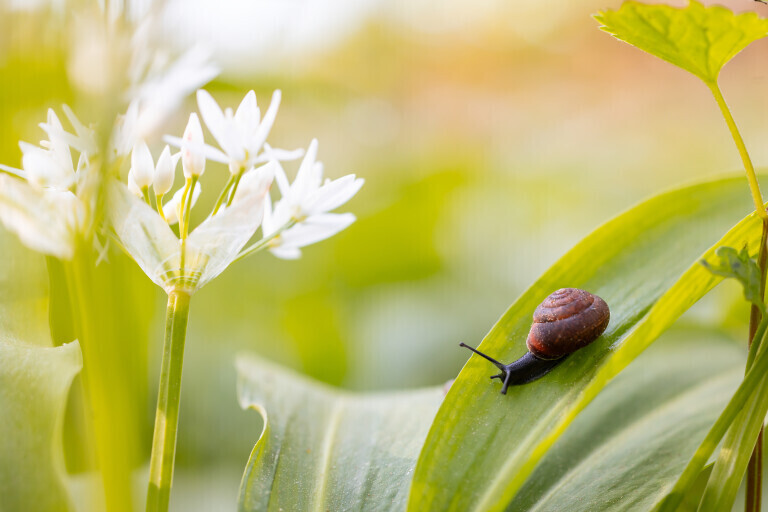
(104, 381)
(755, 467)
(168, 394)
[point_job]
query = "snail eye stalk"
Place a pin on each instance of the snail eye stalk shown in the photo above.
(499, 365)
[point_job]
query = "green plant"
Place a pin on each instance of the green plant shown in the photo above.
(619, 424)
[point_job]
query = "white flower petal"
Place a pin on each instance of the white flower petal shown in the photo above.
(219, 239)
(144, 235)
(171, 208)
(40, 218)
(286, 253)
(247, 114)
(315, 229)
(132, 186)
(210, 152)
(212, 115)
(142, 165)
(164, 172)
(260, 136)
(333, 194)
(44, 170)
(193, 160)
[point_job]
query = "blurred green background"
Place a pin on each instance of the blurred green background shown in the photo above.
(492, 136)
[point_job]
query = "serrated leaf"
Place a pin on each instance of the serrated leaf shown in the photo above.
(483, 446)
(631, 443)
(325, 449)
(699, 39)
(728, 262)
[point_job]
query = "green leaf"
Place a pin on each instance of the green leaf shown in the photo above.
(326, 449)
(735, 452)
(750, 396)
(699, 39)
(729, 262)
(635, 438)
(483, 446)
(34, 384)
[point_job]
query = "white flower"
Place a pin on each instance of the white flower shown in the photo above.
(142, 166)
(163, 86)
(165, 171)
(41, 202)
(241, 135)
(208, 249)
(192, 159)
(306, 202)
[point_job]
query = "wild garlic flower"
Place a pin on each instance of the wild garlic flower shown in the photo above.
(241, 135)
(45, 202)
(301, 217)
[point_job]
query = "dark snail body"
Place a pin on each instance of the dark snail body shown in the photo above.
(566, 321)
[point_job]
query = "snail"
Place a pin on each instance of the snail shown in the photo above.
(566, 321)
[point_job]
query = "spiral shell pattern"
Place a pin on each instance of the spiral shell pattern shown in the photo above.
(566, 321)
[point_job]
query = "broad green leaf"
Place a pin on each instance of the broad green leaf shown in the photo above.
(729, 262)
(483, 446)
(629, 445)
(326, 449)
(699, 39)
(34, 384)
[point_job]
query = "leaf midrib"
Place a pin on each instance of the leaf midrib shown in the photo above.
(318, 498)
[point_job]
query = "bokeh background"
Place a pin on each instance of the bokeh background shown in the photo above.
(492, 135)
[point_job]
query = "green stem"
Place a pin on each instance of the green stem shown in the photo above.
(754, 187)
(159, 205)
(223, 194)
(168, 394)
(264, 242)
(110, 417)
(755, 467)
(234, 187)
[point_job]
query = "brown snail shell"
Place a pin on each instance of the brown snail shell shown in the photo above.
(566, 321)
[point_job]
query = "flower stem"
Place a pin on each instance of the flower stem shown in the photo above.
(264, 242)
(168, 394)
(223, 194)
(234, 187)
(159, 205)
(755, 467)
(754, 187)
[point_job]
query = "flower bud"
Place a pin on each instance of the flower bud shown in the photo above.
(132, 186)
(142, 165)
(192, 157)
(164, 172)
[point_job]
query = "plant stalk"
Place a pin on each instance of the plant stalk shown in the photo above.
(755, 468)
(754, 187)
(753, 498)
(109, 415)
(168, 394)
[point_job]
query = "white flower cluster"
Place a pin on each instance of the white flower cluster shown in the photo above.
(141, 219)
(50, 202)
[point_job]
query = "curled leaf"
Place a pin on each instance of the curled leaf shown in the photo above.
(728, 262)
